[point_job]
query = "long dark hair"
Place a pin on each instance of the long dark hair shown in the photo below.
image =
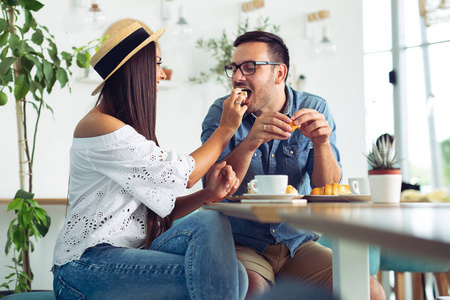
(130, 96)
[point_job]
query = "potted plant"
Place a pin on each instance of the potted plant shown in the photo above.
(222, 50)
(30, 67)
(385, 175)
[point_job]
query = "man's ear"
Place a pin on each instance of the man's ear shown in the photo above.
(280, 73)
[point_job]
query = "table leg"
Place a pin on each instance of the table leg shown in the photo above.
(351, 269)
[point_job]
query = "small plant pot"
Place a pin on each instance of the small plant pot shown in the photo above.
(385, 185)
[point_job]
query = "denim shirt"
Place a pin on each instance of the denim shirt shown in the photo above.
(293, 157)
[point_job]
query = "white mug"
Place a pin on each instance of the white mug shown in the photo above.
(359, 186)
(269, 184)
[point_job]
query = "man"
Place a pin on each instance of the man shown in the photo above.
(263, 144)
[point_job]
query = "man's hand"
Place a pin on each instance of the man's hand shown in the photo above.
(313, 125)
(222, 182)
(269, 126)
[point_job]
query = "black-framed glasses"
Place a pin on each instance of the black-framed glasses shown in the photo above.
(247, 67)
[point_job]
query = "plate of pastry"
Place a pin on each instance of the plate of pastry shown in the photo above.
(325, 198)
(333, 192)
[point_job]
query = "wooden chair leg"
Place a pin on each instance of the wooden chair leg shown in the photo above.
(379, 276)
(399, 285)
(417, 286)
(442, 285)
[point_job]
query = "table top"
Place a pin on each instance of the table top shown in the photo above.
(420, 228)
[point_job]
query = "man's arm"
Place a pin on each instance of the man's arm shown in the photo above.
(314, 125)
(266, 127)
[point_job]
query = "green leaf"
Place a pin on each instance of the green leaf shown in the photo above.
(3, 98)
(35, 86)
(6, 63)
(27, 216)
(18, 240)
(3, 25)
(21, 87)
(61, 75)
(44, 227)
(27, 65)
(32, 4)
(4, 39)
(82, 60)
(14, 41)
(4, 52)
(17, 203)
(49, 74)
(66, 56)
(37, 37)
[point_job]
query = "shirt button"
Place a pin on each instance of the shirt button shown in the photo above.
(273, 155)
(254, 154)
(291, 152)
(273, 230)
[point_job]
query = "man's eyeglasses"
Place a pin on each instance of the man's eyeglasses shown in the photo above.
(247, 68)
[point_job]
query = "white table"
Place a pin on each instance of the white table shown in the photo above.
(417, 228)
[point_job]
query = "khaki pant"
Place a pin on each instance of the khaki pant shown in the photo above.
(311, 263)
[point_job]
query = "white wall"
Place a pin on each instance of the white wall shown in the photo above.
(181, 104)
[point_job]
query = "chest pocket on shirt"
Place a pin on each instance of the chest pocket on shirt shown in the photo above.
(296, 157)
(256, 164)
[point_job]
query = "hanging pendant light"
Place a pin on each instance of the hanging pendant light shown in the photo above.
(95, 18)
(325, 46)
(182, 29)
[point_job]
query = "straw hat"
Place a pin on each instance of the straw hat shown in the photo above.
(119, 48)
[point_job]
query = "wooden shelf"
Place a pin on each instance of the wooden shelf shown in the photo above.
(41, 201)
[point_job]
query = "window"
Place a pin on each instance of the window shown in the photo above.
(426, 53)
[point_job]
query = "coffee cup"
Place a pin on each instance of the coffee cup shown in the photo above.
(269, 184)
(359, 186)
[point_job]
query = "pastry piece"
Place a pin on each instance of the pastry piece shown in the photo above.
(291, 190)
(293, 127)
(331, 189)
(317, 191)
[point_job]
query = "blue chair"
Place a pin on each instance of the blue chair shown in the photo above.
(374, 254)
(400, 263)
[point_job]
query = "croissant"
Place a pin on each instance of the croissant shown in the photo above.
(332, 189)
(293, 127)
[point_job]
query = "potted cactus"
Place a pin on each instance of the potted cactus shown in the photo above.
(385, 175)
(383, 159)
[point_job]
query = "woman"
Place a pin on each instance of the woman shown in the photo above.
(118, 241)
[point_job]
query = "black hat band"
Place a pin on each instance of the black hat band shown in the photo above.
(112, 59)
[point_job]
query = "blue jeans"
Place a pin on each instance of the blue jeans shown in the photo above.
(194, 259)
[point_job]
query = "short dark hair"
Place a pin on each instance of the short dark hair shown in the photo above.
(277, 48)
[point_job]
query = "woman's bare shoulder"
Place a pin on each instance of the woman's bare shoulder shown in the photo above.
(96, 123)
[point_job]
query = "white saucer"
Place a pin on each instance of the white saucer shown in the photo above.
(272, 197)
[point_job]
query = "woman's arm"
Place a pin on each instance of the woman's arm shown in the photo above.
(222, 182)
(209, 152)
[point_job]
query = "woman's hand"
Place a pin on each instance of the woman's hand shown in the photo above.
(233, 110)
(222, 182)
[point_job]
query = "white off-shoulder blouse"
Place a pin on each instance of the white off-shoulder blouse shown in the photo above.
(112, 179)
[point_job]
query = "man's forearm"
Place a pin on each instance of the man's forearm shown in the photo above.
(326, 168)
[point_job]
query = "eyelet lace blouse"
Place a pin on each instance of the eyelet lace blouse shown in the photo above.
(112, 179)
